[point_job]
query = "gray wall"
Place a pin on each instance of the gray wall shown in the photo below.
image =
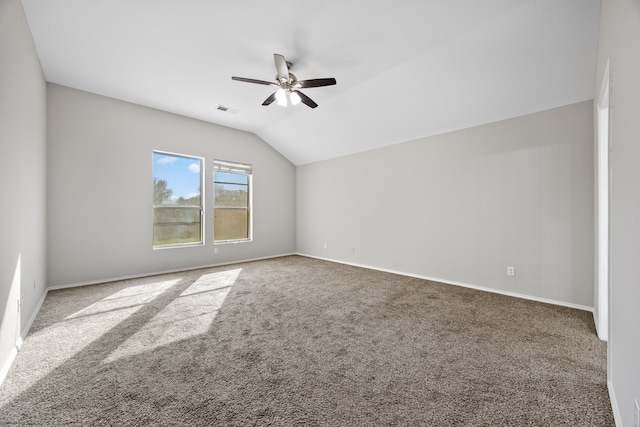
(22, 176)
(100, 189)
(620, 41)
(463, 206)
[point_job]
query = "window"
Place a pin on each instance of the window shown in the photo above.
(177, 201)
(232, 201)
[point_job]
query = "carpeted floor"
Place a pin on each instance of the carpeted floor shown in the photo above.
(297, 341)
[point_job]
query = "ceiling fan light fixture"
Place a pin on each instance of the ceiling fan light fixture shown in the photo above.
(281, 97)
(295, 98)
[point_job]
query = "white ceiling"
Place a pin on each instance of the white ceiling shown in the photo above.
(405, 68)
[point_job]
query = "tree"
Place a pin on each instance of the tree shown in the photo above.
(161, 193)
(191, 201)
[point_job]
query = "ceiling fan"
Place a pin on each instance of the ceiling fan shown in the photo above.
(288, 85)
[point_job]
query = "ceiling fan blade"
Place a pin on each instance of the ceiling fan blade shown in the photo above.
(260, 82)
(305, 99)
(281, 67)
(315, 83)
(270, 99)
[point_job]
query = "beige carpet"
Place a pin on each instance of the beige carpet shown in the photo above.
(297, 341)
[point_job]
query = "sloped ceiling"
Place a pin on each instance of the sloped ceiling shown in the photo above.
(405, 68)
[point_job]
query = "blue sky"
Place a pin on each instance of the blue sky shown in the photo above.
(181, 173)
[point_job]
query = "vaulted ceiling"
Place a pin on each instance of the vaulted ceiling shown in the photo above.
(405, 68)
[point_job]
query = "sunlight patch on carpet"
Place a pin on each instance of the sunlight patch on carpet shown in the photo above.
(84, 327)
(185, 317)
(131, 297)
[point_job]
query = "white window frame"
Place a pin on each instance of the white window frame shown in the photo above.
(201, 207)
(239, 168)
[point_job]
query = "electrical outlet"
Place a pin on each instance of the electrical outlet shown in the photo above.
(215, 250)
(636, 413)
(353, 250)
(511, 271)
(325, 245)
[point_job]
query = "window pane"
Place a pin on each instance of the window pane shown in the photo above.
(177, 201)
(176, 180)
(233, 178)
(231, 201)
(231, 195)
(176, 225)
(231, 224)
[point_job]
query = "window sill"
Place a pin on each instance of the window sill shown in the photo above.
(231, 242)
(179, 245)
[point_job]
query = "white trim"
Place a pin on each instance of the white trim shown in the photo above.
(156, 273)
(614, 405)
(603, 205)
(203, 230)
(464, 285)
(14, 351)
(7, 364)
(20, 340)
(27, 328)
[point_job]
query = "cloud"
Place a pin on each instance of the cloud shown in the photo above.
(194, 167)
(190, 195)
(166, 160)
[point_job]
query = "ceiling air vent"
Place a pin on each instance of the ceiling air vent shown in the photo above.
(226, 109)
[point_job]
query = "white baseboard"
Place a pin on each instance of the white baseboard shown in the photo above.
(7, 364)
(156, 273)
(14, 351)
(464, 285)
(614, 405)
(24, 333)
